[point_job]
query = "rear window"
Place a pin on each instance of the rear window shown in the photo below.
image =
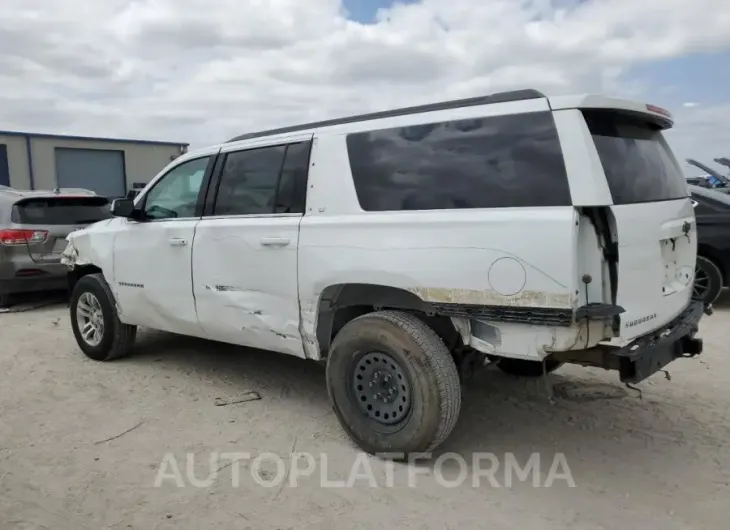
(635, 159)
(61, 210)
(493, 162)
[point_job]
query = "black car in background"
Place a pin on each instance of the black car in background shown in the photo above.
(712, 211)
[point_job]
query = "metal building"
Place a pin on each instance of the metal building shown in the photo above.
(108, 166)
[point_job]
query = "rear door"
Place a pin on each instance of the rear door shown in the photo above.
(652, 217)
(245, 248)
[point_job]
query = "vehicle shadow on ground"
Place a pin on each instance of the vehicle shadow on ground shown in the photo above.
(581, 413)
(35, 301)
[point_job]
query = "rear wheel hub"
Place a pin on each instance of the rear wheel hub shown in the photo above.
(381, 388)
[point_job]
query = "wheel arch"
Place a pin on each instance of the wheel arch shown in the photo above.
(341, 303)
(78, 272)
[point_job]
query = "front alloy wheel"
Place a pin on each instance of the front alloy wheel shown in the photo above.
(95, 321)
(90, 319)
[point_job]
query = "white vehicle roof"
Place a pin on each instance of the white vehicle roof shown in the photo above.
(526, 100)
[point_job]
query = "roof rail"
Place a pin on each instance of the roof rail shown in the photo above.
(499, 97)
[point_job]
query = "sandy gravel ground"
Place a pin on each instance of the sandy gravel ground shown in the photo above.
(661, 462)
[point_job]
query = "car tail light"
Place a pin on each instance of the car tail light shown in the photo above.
(22, 237)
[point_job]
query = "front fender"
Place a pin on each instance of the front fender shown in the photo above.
(93, 245)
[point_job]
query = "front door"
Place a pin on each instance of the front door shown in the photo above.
(245, 251)
(152, 257)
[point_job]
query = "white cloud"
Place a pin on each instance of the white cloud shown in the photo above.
(205, 71)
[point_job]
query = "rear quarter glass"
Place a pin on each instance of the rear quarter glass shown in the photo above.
(500, 161)
(636, 160)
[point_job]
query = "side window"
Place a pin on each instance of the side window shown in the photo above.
(176, 194)
(493, 162)
(263, 181)
(291, 196)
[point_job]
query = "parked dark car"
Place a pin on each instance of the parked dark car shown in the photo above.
(712, 211)
(33, 230)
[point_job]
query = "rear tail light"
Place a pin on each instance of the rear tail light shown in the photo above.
(22, 237)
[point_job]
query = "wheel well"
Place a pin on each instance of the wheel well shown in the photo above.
(79, 272)
(710, 254)
(339, 304)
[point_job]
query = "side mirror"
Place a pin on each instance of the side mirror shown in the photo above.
(124, 208)
(132, 194)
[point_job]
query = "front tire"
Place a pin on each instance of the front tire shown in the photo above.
(708, 281)
(393, 384)
(95, 321)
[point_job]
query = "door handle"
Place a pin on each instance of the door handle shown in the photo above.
(177, 241)
(275, 241)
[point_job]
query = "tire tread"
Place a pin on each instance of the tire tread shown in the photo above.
(440, 361)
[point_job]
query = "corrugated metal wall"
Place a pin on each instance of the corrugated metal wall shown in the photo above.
(32, 159)
(98, 170)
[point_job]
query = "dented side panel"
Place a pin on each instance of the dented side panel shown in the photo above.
(93, 245)
(245, 281)
(152, 275)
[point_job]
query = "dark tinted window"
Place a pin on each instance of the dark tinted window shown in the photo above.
(292, 191)
(263, 180)
(637, 165)
(703, 207)
(479, 163)
(61, 211)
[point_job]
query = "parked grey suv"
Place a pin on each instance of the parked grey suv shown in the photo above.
(33, 230)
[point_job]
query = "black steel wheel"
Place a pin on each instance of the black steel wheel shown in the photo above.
(393, 384)
(381, 388)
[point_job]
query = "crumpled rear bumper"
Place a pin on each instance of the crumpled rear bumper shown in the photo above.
(651, 353)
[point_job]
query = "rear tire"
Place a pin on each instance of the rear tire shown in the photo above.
(93, 307)
(708, 281)
(393, 384)
(525, 368)
(4, 300)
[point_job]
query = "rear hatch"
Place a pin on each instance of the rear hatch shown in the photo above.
(42, 223)
(652, 217)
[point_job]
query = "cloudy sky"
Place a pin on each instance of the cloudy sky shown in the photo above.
(202, 71)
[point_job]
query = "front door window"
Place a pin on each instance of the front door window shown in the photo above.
(175, 196)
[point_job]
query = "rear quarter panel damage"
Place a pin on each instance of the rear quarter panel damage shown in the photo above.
(501, 257)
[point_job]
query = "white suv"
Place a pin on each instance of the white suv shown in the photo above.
(404, 247)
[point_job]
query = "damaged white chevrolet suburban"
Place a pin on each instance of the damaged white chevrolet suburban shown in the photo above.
(404, 247)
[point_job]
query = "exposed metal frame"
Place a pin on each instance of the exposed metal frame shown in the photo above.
(499, 97)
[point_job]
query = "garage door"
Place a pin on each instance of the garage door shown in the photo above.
(92, 169)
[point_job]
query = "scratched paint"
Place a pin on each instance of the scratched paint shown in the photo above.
(526, 298)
